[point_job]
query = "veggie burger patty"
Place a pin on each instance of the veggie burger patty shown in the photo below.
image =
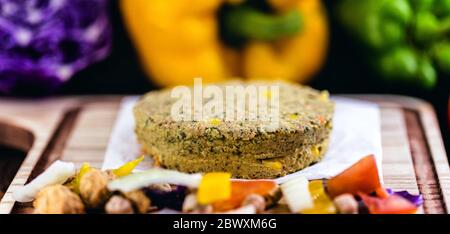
(247, 149)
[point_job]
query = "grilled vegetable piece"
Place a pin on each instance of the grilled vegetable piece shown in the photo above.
(240, 190)
(128, 167)
(215, 186)
(322, 203)
(153, 176)
(394, 204)
(57, 173)
(75, 183)
(361, 177)
(297, 195)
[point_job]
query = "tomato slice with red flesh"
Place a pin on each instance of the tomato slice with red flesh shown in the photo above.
(361, 177)
(240, 189)
(393, 204)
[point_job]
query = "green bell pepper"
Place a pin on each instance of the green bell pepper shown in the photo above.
(409, 40)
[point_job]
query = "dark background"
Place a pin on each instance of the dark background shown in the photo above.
(345, 71)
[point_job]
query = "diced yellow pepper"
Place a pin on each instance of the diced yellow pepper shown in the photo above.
(315, 151)
(128, 167)
(274, 165)
(215, 121)
(322, 203)
(293, 116)
(214, 187)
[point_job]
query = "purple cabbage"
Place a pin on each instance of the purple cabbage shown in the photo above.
(415, 199)
(172, 199)
(43, 43)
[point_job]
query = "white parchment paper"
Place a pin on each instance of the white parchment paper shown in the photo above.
(356, 133)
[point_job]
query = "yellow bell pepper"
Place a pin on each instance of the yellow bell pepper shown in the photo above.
(215, 186)
(75, 183)
(128, 167)
(178, 40)
(322, 202)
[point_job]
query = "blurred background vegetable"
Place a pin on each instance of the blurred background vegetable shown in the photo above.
(219, 39)
(406, 40)
(44, 42)
(347, 68)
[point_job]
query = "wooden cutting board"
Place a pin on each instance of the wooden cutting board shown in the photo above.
(77, 129)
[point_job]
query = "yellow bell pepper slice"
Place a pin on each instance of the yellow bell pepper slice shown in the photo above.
(75, 184)
(128, 167)
(322, 203)
(214, 187)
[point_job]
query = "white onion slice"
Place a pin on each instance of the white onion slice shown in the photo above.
(154, 176)
(297, 195)
(57, 173)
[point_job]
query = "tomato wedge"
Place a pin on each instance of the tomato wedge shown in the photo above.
(240, 189)
(394, 204)
(361, 177)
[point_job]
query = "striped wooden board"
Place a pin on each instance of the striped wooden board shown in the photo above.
(77, 129)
